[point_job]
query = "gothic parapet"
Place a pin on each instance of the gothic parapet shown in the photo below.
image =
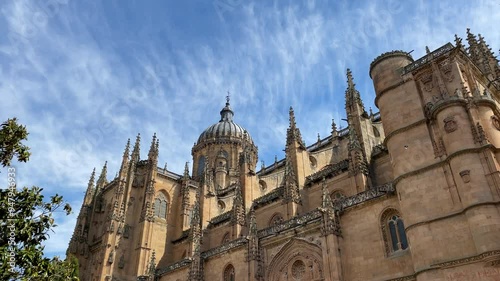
(301, 220)
(328, 171)
(180, 264)
(365, 196)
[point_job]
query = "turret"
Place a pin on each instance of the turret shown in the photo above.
(433, 112)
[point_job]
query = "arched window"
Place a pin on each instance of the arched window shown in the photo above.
(393, 230)
(226, 238)
(336, 196)
(161, 206)
(276, 219)
(201, 165)
(229, 273)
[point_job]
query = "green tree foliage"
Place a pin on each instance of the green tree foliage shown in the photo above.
(26, 219)
(11, 135)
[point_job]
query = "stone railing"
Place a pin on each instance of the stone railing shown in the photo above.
(268, 198)
(220, 219)
(224, 247)
(362, 197)
(425, 59)
(289, 224)
(328, 170)
(172, 267)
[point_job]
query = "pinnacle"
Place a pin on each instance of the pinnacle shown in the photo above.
(292, 118)
(127, 149)
(92, 178)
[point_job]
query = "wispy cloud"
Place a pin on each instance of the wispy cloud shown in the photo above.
(84, 77)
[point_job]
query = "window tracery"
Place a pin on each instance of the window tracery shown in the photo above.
(393, 231)
(276, 219)
(229, 273)
(161, 206)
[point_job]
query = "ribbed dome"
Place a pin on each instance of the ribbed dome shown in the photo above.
(225, 128)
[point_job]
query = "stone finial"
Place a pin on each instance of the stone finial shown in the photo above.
(102, 181)
(186, 171)
(136, 151)
(458, 42)
(293, 133)
(352, 95)
(126, 152)
(335, 132)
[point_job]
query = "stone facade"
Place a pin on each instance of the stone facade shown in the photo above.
(415, 197)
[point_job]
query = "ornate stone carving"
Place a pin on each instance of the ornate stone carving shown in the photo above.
(298, 269)
(364, 196)
(450, 124)
(289, 224)
(447, 74)
(465, 174)
(427, 82)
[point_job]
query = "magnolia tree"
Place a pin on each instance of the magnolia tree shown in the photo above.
(26, 218)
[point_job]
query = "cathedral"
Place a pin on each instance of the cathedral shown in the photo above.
(411, 192)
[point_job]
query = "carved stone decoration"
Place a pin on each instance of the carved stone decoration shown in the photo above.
(427, 82)
(298, 269)
(465, 174)
(447, 74)
(495, 121)
(298, 259)
(450, 124)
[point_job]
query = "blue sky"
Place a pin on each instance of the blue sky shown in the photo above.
(84, 76)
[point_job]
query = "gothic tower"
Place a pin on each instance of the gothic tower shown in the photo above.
(442, 149)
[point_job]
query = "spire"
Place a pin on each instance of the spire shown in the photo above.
(90, 189)
(238, 206)
(153, 151)
(357, 159)
(102, 181)
(490, 62)
(125, 157)
(226, 114)
(351, 94)
(458, 42)
(292, 192)
(473, 49)
(136, 152)
(186, 171)
(293, 133)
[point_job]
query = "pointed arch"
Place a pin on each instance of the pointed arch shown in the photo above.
(292, 259)
(161, 205)
(393, 231)
(226, 238)
(229, 274)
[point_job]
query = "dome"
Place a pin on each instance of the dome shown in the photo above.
(225, 128)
